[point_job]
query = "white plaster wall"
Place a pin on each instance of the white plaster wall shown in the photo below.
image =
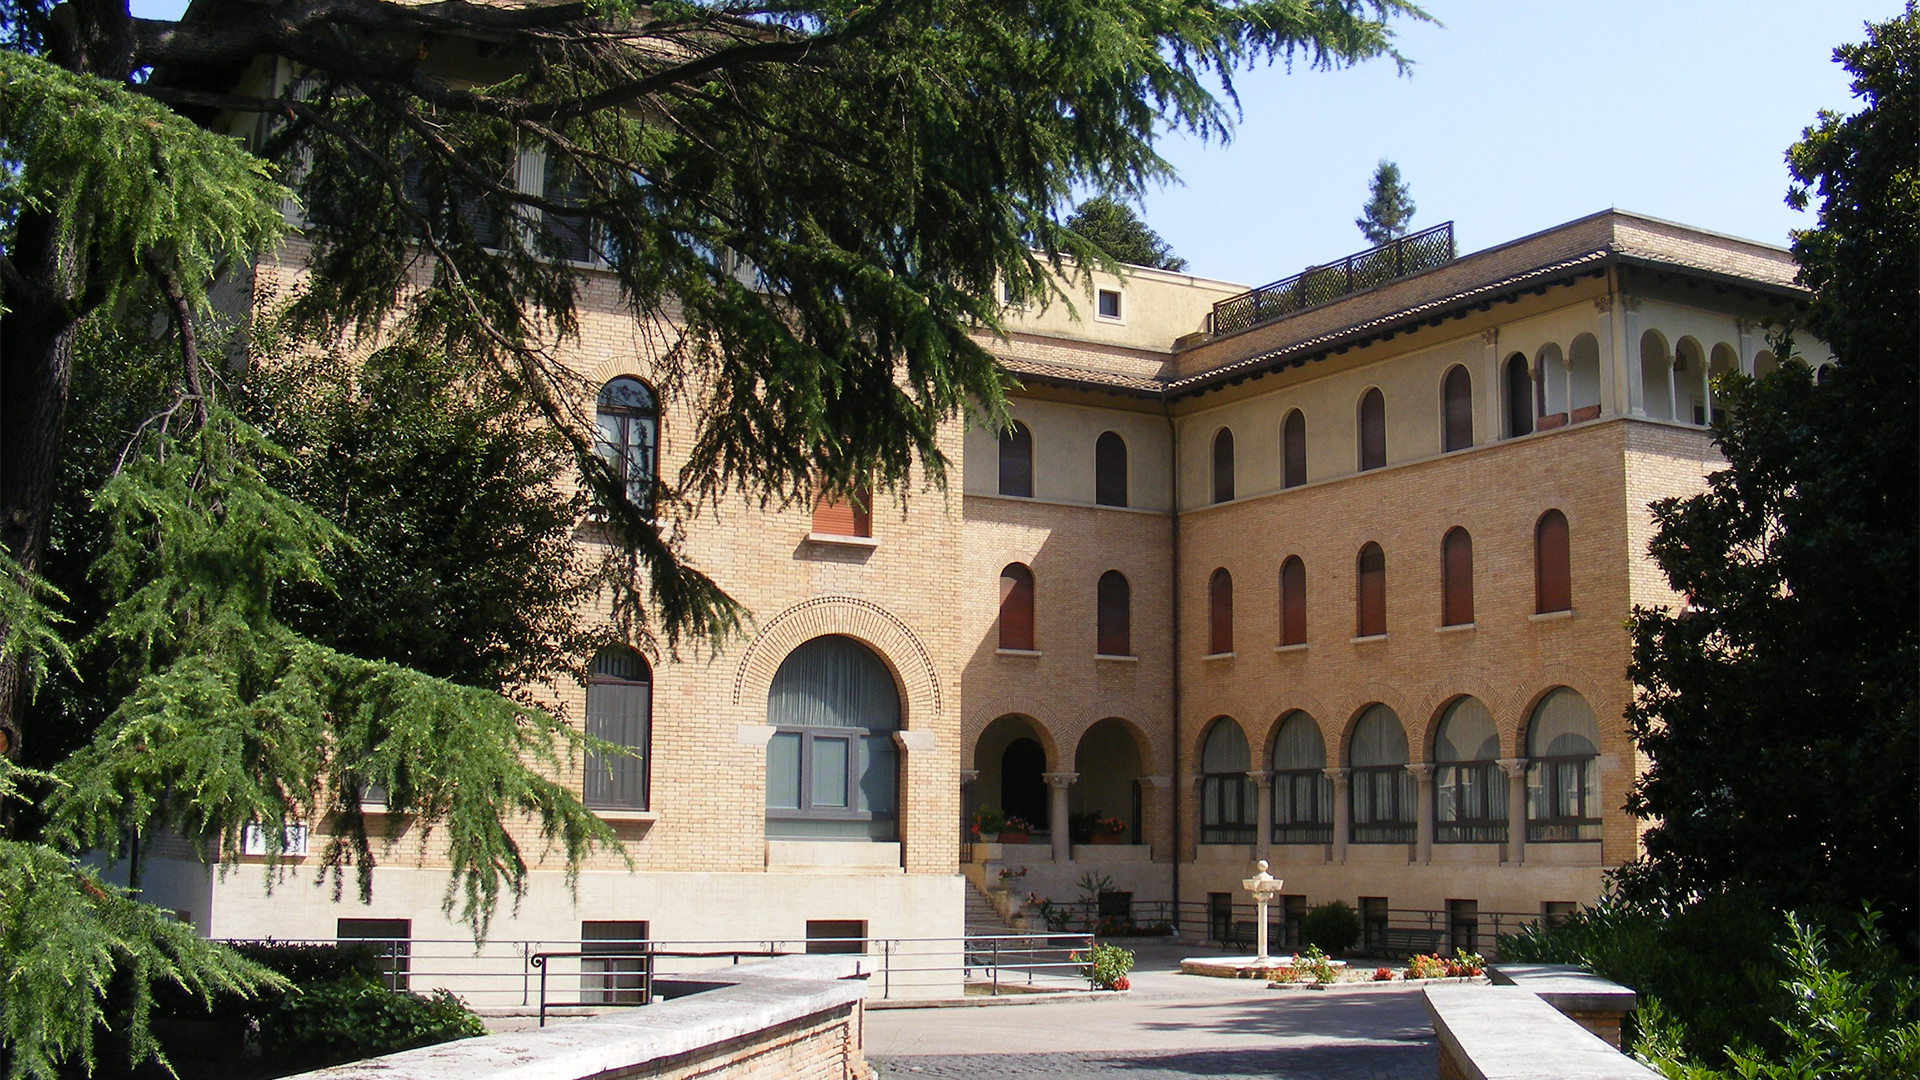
(1156, 308)
(1063, 438)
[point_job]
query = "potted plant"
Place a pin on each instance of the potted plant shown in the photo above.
(1014, 830)
(1109, 830)
(988, 822)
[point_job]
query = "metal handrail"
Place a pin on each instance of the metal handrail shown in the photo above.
(1317, 285)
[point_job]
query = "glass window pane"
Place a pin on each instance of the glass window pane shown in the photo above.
(830, 771)
(879, 773)
(783, 771)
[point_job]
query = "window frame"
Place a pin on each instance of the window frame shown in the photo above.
(1516, 377)
(1229, 813)
(1113, 602)
(1370, 605)
(1371, 426)
(1290, 783)
(1223, 466)
(1016, 475)
(809, 737)
(1456, 577)
(1293, 449)
(1024, 611)
(1293, 601)
(1220, 612)
(1110, 489)
(640, 763)
(1559, 598)
(621, 457)
(1456, 410)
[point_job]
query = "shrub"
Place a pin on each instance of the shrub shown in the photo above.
(1383, 974)
(1107, 966)
(1332, 926)
(356, 1017)
(1426, 967)
(988, 819)
(1464, 963)
(1313, 964)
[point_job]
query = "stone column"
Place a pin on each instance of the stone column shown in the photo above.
(1057, 814)
(1263, 815)
(1423, 813)
(1340, 813)
(1516, 770)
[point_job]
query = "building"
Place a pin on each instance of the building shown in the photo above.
(1332, 573)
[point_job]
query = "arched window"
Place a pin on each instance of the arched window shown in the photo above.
(1722, 361)
(1764, 364)
(1583, 378)
(1110, 469)
(1456, 578)
(1293, 601)
(1519, 396)
(1302, 791)
(1016, 608)
(1456, 393)
(1373, 430)
(1293, 449)
(1689, 382)
(1223, 465)
(1016, 461)
(1563, 770)
(832, 767)
(1550, 379)
(1370, 592)
(1227, 812)
(1220, 612)
(1469, 787)
(1552, 564)
(1381, 789)
(627, 436)
(619, 711)
(1115, 617)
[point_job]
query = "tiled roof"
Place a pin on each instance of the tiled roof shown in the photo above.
(1030, 370)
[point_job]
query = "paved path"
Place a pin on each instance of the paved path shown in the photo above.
(1171, 1026)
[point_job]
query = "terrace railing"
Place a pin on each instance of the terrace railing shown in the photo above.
(1316, 285)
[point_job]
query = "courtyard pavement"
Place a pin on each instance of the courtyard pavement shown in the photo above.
(1170, 1026)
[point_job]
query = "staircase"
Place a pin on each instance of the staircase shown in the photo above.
(982, 917)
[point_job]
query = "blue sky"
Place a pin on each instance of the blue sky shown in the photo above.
(1519, 115)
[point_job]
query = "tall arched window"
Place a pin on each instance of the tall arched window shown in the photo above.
(1302, 791)
(1373, 430)
(1519, 396)
(1583, 378)
(1552, 564)
(1110, 469)
(1227, 811)
(1381, 789)
(627, 436)
(1016, 461)
(1115, 616)
(1469, 787)
(1016, 608)
(1293, 601)
(832, 768)
(1656, 376)
(1456, 392)
(1293, 449)
(1223, 465)
(1220, 612)
(1456, 578)
(619, 711)
(1370, 592)
(1563, 770)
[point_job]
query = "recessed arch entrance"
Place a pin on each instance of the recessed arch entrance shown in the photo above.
(1109, 762)
(1011, 759)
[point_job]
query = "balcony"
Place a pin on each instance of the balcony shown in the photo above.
(1317, 285)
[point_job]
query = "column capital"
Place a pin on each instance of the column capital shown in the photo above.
(968, 776)
(1338, 776)
(1260, 777)
(1060, 779)
(1516, 768)
(1157, 781)
(1491, 337)
(1603, 303)
(1422, 772)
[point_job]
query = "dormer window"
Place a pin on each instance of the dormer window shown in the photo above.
(1107, 303)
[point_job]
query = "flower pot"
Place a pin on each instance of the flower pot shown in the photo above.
(1109, 838)
(987, 838)
(1013, 836)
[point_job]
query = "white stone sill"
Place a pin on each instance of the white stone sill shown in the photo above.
(1457, 628)
(836, 540)
(1116, 658)
(1368, 639)
(1551, 616)
(1019, 654)
(615, 817)
(1300, 648)
(1213, 656)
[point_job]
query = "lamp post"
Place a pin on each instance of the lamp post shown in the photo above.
(1263, 886)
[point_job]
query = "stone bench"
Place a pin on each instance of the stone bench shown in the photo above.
(1510, 1033)
(1583, 997)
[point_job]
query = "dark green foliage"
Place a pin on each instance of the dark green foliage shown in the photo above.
(1731, 989)
(353, 1017)
(1389, 206)
(1333, 926)
(302, 963)
(79, 961)
(1778, 709)
(463, 564)
(1112, 228)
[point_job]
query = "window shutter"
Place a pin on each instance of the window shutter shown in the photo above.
(1293, 601)
(1220, 612)
(1293, 440)
(1223, 466)
(835, 517)
(1016, 461)
(1110, 470)
(1115, 615)
(1553, 570)
(1373, 430)
(1016, 608)
(1456, 586)
(1371, 592)
(1458, 394)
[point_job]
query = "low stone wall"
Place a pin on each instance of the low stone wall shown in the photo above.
(1581, 996)
(1510, 1033)
(799, 1017)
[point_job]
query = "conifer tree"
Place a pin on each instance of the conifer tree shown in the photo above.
(1389, 206)
(1115, 229)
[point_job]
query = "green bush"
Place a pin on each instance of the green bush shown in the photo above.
(355, 1017)
(1332, 926)
(1107, 967)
